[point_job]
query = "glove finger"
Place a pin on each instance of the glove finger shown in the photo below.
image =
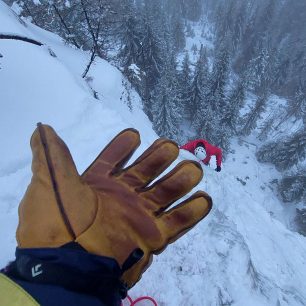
(178, 220)
(172, 224)
(115, 155)
(151, 163)
(174, 185)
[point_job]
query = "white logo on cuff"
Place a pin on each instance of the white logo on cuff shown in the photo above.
(36, 270)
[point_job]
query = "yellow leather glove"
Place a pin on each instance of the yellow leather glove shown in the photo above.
(109, 210)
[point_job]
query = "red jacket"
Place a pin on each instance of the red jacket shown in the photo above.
(210, 150)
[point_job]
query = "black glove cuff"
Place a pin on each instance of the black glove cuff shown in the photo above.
(70, 267)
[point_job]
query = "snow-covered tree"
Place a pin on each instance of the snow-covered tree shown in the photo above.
(284, 153)
(165, 107)
(218, 80)
(150, 60)
(259, 70)
(229, 118)
(192, 9)
(297, 105)
(230, 22)
(282, 65)
(266, 127)
(292, 188)
(198, 87)
(178, 33)
(129, 54)
(249, 121)
(301, 220)
(234, 103)
(79, 22)
(131, 42)
(184, 88)
(207, 124)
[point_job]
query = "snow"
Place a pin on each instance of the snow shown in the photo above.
(135, 70)
(202, 36)
(242, 254)
(11, 23)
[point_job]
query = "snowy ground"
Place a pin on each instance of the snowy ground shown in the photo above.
(241, 254)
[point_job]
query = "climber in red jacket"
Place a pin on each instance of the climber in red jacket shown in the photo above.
(204, 150)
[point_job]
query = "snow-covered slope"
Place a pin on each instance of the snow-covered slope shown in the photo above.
(37, 87)
(241, 254)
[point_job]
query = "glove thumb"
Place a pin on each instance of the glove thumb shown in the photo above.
(48, 216)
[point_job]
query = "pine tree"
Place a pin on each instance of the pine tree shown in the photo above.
(297, 106)
(150, 60)
(282, 66)
(266, 128)
(228, 122)
(218, 80)
(301, 220)
(166, 111)
(198, 87)
(265, 17)
(248, 44)
(235, 102)
(178, 33)
(129, 54)
(285, 152)
(259, 70)
(210, 120)
(250, 119)
(206, 119)
(230, 19)
(153, 14)
(193, 9)
(292, 188)
(239, 26)
(207, 124)
(165, 36)
(184, 87)
(259, 19)
(131, 42)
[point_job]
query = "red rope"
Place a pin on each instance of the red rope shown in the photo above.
(142, 298)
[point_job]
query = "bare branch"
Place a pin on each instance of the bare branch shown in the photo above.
(91, 31)
(65, 25)
(22, 38)
(92, 58)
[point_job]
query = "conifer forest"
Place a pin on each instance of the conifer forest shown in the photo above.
(255, 51)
